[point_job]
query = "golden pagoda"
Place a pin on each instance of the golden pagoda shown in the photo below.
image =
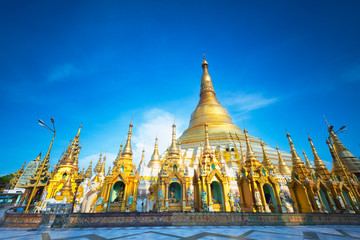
(301, 184)
(62, 184)
(211, 186)
(206, 169)
(352, 163)
(119, 190)
(221, 129)
(325, 187)
(258, 186)
(347, 196)
(172, 181)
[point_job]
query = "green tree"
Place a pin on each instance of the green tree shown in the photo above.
(6, 179)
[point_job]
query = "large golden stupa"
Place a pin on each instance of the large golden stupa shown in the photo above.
(222, 131)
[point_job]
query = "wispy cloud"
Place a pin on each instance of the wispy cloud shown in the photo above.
(155, 123)
(62, 72)
(245, 102)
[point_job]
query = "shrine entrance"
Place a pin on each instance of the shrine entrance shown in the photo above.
(217, 196)
(116, 200)
(325, 201)
(174, 196)
(270, 198)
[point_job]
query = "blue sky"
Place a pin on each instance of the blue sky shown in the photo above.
(275, 64)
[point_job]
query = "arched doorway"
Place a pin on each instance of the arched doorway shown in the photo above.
(347, 199)
(217, 196)
(174, 196)
(270, 198)
(324, 200)
(116, 196)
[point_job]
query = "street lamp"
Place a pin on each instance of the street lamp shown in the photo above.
(41, 123)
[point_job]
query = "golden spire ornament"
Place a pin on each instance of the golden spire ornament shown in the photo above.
(283, 168)
(173, 148)
(308, 164)
(296, 160)
(127, 149)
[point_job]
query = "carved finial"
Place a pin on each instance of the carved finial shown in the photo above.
(127, 149)
(173, 148)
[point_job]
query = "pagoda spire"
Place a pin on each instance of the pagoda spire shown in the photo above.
(97, 168)
(283, 168)
(208, 110)
(296, 160)
(72, 153)
(88, 172)
(103, 166)
(251, 160)
(207, 147)
(266, 160)
(173, 148)
(317, 160)
(155, 162)
(142, 162)
(336, 168)
(127, 149)
(38, 158)
(155, 156)
(206, 83)
(352, 163)
(118, 156)
(308, 164)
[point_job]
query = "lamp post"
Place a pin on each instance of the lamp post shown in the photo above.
(337, 158)
(41, 123)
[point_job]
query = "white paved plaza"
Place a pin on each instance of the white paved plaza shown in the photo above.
(334, 232)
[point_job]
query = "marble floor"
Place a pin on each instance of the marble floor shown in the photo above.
(334, 232)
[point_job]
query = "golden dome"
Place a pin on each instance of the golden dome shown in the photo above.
(209, 111)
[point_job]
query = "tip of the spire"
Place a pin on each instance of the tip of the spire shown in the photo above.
(204, 63)
(287, 133)
(79, 130)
